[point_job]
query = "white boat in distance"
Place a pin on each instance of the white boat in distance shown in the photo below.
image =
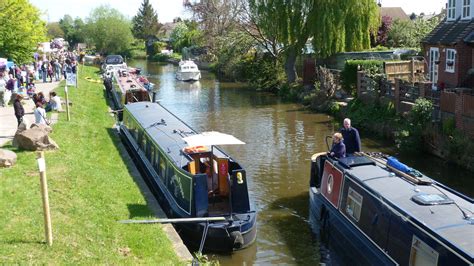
(188, 71)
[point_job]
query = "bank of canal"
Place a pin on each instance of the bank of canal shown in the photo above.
(280, 137)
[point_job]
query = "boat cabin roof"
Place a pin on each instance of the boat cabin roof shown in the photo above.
(114, 60)
(128, 81)
(166, 130)
(445, 220)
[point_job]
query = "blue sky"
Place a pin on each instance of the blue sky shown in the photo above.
(168, 9)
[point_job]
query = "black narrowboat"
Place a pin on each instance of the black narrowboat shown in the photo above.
(190, 182)
(375, 210)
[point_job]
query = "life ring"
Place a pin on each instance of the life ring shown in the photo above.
(195, 149)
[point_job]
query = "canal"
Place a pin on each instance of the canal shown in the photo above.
(280, 138)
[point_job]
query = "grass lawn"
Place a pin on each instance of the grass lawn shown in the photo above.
(90, 189)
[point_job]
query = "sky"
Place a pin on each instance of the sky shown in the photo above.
(416, 6)
(54, 10)
(169, 9)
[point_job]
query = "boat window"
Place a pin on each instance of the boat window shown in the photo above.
(422, 254)
(431, 199)
(142, 140)
(162, 169)
(354, 204)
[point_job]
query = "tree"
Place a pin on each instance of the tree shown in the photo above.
(410, 33)
(285, 26)
(282, 26)
(54, 30)
(145, 23)
(343, 25)
(73, 29)
(21, 31)
(108, 30)
(216, 17)
(382, 33)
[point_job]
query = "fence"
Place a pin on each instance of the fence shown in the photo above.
(412, 70)
(456, 103)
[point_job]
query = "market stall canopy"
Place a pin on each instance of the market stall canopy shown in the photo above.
(211, 138)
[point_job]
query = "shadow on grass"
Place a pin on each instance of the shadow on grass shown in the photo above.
(22, 241)
(152, 205)
(295, 230)
(138, 210)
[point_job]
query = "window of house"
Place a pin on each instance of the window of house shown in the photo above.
(451, 9)
(450, 60)
(466, 9)
(354, 204)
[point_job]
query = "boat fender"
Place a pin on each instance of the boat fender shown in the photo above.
(237, 239)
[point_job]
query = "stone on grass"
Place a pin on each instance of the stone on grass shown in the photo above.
(35, 139)
(7, 158)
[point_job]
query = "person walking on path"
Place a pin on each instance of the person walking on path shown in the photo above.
(351, 137)
(18, 107)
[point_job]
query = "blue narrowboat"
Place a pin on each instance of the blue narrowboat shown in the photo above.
(190, 181)
(377, 211)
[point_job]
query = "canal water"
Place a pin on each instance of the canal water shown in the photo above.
(280, 138)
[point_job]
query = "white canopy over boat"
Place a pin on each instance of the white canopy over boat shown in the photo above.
(211, 138)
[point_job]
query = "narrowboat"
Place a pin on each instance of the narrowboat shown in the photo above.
(113, 62)
(188, 71)
(191, 179)
(376, 210)
(127, 86)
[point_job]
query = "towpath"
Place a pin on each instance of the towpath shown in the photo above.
(8, 122)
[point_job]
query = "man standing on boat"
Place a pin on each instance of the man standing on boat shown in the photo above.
(351, 137)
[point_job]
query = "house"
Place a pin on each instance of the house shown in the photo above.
(395, 13)
(449, 48)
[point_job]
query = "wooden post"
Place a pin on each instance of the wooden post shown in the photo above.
(67, 103)
(412, 70)
(45, 197)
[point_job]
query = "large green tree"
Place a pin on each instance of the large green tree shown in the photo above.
(73, 29)
(108, 30)
(54, 30)
(343, 25)
(145, 23)
(285, 26)
(21, 30)
(410, 33)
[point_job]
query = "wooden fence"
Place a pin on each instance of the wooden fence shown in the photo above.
(412, 70)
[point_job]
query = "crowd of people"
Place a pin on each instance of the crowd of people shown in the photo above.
(20, 79)
(17, 83)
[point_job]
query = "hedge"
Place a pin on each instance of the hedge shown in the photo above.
(349, 73)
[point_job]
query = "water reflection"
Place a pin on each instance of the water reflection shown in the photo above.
(280, 137)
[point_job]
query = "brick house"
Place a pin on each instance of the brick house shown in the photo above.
(449, 48)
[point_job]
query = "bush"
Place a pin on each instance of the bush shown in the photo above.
(349, 73)
(411, 136)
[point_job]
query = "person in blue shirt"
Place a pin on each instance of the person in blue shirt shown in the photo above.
(351, 137)
(338, 149)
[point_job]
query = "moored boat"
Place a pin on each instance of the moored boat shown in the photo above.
(378, 211)
(127, 86)
(191, 177)
(113, 63)
(188, 71)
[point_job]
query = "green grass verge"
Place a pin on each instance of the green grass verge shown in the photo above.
(90, 189)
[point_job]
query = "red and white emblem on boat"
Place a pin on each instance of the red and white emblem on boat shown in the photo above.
(330, 184)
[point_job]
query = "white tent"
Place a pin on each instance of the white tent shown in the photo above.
(211, 138)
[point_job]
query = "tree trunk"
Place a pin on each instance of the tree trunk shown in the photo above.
(290, 68)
